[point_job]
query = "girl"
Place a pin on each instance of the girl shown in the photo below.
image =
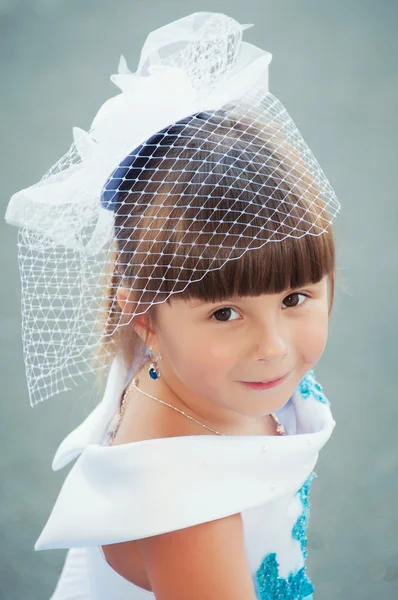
(214, 234)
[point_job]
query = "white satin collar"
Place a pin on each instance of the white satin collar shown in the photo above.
(140, 489)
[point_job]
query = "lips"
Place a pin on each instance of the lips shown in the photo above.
(263, 385)
(268, 380)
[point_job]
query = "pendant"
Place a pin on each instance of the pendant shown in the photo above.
(154, 371)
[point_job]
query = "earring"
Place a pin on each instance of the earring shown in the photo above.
(154, 372)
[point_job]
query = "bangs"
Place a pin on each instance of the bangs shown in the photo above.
(275, 267)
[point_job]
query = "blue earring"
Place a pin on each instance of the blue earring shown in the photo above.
(154, 372)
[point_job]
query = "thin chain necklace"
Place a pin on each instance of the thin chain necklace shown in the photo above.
(280, 430)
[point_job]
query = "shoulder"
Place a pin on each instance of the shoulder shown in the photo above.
(200, 561)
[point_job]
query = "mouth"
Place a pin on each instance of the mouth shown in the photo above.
(264, 385)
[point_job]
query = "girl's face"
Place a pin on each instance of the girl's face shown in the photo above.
(218, 356)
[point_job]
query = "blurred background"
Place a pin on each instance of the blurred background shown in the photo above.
(335, 69)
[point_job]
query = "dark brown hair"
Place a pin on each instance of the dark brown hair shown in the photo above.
(222, 183)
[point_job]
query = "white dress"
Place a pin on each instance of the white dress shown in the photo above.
(141, 489)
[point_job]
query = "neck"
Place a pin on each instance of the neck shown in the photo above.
(217, 417)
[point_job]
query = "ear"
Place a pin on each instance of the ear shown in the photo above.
(122, 297)
(143, 327)
(142, 324)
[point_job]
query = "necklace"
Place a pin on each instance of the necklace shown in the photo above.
(280, 430)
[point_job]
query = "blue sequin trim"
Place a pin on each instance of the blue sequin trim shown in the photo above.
(269, 586)
(310, 387)
(272, 587)
(300, 527)
(297, 586)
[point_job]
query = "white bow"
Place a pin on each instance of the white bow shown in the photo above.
(175, 78)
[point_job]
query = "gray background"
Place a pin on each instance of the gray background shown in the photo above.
(335, 69)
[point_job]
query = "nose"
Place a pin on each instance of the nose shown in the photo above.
(271, 344)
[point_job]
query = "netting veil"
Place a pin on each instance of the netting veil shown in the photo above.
(191, 165)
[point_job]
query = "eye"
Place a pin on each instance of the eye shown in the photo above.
(293, 300)
(224, 314)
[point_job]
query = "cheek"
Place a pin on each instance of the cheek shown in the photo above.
(208, 357)
(314, 340)
(200, 359)
(219, 353)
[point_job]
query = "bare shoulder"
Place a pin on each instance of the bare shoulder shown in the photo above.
(203, 562)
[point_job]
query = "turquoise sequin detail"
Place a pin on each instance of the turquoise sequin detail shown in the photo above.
(310, 387)
(296, 586)
(269, 586)
(300, 527)
(272, 587)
